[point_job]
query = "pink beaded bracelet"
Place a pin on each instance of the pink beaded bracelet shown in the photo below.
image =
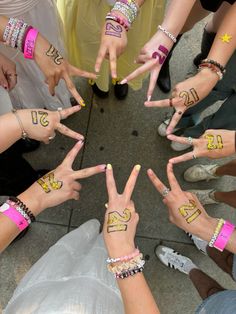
(30, 43)
(122, 21)
(123, 258)
(224, 236)
(14, 216)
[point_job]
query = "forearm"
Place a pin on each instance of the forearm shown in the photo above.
(10, 131)
(176, 9)
(224, 44)
(137, 296)
(3, 24)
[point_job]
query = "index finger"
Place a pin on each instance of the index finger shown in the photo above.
(72, 89)
(172, 179)
(174, 121)
(144, 68)
(152, 82)
(88, 172)
(130, 184)
(112, 58)
(110, 181)
(100, 58)
(156, 181)
(68, 132)
(70, 157)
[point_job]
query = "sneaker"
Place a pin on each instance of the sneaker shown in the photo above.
(178, 147)
(205, 197)
(163, 126)
(174, 260)
(200, 244)
(200, 172)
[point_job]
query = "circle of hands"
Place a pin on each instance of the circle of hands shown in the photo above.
(62, 183)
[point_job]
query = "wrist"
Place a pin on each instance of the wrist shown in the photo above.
(122, 250)
(207, 228)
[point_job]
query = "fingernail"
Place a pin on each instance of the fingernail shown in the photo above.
(123, 82)
(82, 103)
(5, 86)
(103, 167)
(149, 98)
(109, 166)
(96, 70)
(138, 167)
(106, 205)
(80, 141)
(150, 171)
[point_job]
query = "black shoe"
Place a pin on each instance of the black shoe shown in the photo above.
(163, 80)
(100, 93)
(25, 146)
(121, 91)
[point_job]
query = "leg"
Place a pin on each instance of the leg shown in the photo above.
(222, 259)
(205, 285)
(213, 25)
(228, 169)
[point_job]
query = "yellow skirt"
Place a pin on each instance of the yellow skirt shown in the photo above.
(83, 21)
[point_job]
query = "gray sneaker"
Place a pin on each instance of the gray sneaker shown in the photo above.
(200, 172)
(205, 197)
(163, 127)
(173, 259)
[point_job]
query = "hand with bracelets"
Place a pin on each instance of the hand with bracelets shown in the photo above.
(212, 144)
(120, 219)
(187, 94)
(8, 76)
(54, 188)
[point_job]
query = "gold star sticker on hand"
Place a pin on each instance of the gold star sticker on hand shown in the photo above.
(226, 38)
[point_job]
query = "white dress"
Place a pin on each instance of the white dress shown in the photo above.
(71, 278)
(31, 90)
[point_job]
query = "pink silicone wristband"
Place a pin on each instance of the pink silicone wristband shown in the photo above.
(224, 236)
(14, 215)
(30, 43)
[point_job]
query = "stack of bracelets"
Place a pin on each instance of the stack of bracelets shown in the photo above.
(20, 35)
(222, 234)
(128, 8)
(125, 266)
(17, 212)
(213, 66)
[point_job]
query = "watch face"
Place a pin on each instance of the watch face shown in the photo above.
(4, 207)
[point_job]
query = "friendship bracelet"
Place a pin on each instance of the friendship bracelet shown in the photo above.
(212, 68)
(167, 33)
(15, 33)
(30, 41)
(14, 216)
(218, 65)
(24, 135)
(216, 232)
(128, 9)
(18, 202)
(122, 21)
(123, 258)
(224, 236)
(136, 261)
(131, 272)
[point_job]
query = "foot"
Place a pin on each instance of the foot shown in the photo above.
(121, 91)
(100, 93)
(205, 197)
(200, 244)
(174, 260)
(178, 147)
(163, 127)
(163, 80)
(200, 172)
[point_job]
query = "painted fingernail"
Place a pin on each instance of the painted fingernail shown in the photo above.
(138, 167)
(82, 103)
(106, 205)
(109, 166)
(149, 98)
(103, 167)
(123, 82)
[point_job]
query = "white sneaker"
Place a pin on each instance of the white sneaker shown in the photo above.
(205, 197)
(178, 147)
(174, 260)
(200, 172)
(163, 126)
(200, 244)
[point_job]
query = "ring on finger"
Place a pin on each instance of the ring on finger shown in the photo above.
(190, 140)
(50, 138)
(165, 192)
(59, 111)
(170, 102)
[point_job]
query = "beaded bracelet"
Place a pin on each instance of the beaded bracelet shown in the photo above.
(18, 202)
(15, 33)
(24, 134)
(122, 21)
(216, 232)
(134, 262)
(167, 33)
(218, 65)
(128, 9)
(128, 273)
(123, 258)
(212, 68)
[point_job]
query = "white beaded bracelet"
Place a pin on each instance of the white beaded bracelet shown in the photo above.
(168, 34)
